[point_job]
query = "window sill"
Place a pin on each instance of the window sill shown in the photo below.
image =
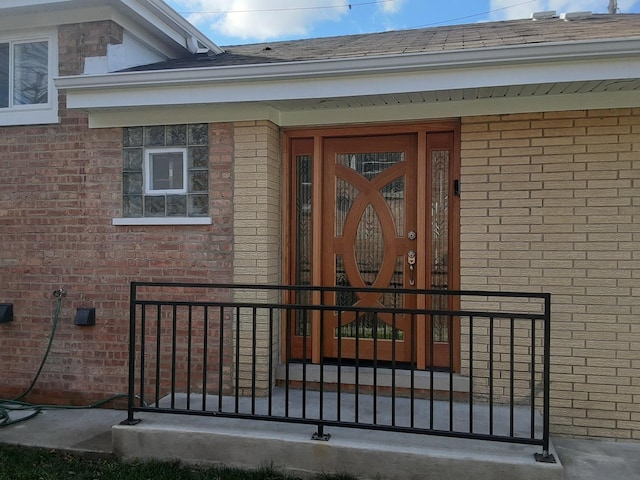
(163, 221)
(11, 117)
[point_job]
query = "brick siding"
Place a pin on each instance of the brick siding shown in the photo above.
(61, 186)
(551, 202)
(257, 233)
(81, 40)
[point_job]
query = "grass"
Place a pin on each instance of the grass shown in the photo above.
(22, 463)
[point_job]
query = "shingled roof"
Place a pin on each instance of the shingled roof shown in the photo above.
(424, 40)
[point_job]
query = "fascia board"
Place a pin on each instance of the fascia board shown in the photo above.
(189, 29)
(157, 44)
(540, 55)
(190, 114)
(156, 20)
(377, 83)
(406, 112)
(54, 18)
(6, 4)
(170, 23)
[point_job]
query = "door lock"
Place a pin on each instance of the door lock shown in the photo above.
(411, 260)
(411, 235)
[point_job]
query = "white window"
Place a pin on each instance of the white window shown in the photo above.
(165, 171)
(27, 68)
(24, 73)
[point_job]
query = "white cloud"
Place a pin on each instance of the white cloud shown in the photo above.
(391, 6)
(263, 19)
(512, 9)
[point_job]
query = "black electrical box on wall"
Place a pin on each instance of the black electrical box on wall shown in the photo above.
(6, 312)
(85, 317)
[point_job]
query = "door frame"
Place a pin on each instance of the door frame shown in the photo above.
(316, 136)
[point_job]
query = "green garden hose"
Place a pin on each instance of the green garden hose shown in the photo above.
(16, 404)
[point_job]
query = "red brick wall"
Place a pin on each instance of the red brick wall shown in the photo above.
(59, 191)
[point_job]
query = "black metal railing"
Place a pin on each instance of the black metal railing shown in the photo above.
(478, 368)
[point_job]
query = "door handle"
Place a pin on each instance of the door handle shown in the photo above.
(411, 260)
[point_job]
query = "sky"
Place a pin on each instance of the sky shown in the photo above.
(233, 22)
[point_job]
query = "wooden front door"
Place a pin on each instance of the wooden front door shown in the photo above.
(369, 233)
(374, 209)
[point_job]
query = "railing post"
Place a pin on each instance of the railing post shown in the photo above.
(545, 456)
(320, 435)
(132, 357)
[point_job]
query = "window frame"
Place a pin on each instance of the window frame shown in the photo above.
(148, 172)
(37, 113)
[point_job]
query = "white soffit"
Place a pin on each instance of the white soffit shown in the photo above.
(287, 117)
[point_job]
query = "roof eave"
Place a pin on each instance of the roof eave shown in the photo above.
(486, 57)
(154, 15)
(190, 32)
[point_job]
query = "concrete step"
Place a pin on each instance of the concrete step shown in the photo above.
(289, 447)
(363, 452)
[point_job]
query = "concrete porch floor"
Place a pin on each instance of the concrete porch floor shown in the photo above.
(381, 410)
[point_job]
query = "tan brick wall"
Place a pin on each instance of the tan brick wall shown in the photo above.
(551, 202)
(81, 40)
(257, 203)
(257, 233)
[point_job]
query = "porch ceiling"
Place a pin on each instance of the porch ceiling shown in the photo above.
(457, 95)
(385, 107)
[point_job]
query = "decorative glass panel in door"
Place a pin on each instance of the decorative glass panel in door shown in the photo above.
(440, 241)
(442, 329)
(299, 321)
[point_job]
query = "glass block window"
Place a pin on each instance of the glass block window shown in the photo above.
(166, 171)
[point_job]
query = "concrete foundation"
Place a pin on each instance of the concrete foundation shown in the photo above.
(289, 447)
